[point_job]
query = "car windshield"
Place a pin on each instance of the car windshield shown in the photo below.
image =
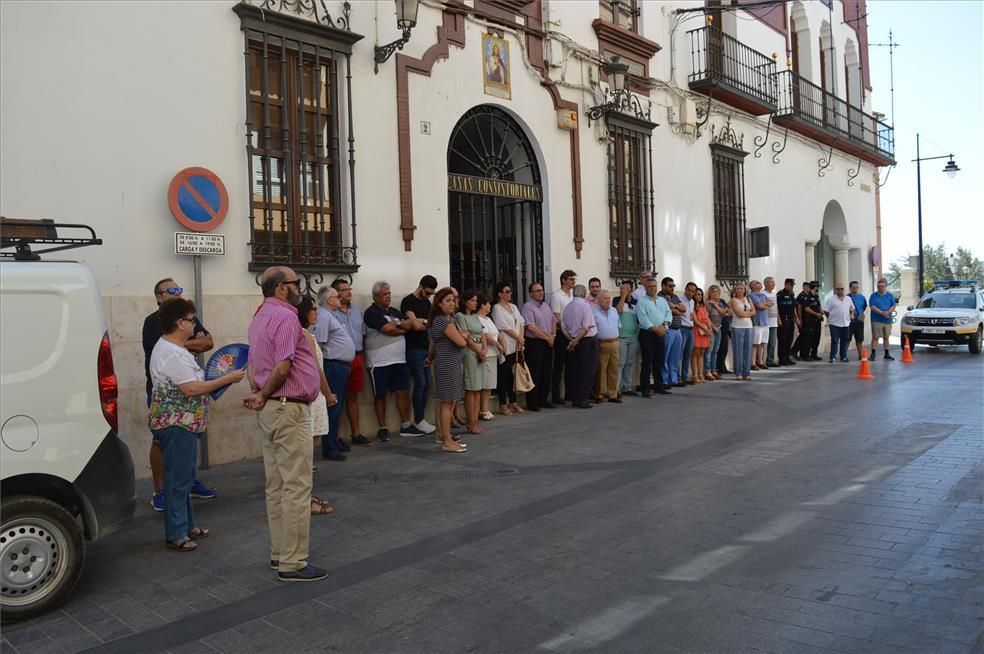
(947, 301)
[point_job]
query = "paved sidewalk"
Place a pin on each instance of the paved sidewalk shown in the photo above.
(806, 511)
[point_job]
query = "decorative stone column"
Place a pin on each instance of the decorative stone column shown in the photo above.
(811, 261)
(841, 265)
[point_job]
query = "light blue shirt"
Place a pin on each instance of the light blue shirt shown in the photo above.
(353, 322)
(338, 344)
(653, 312)
(607, 322)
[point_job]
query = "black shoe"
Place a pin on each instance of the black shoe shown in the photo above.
(725, 371)
(664, 392)
(360, 440)
(334, 456)
(307, 573)
(614, 400)
(845, 360)
(274, 564)
(871, 357)
(815, 359)
(646, 394)
(791, 363)
(547, 405)
(630, 394)
(771, 364)
(383, 435)
(585, 405)
(680, 385)
(343, 446)
(532, 408)
(888, 357)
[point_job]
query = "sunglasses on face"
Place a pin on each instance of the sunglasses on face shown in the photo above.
(191, 319)
(507, 291)
(174, 290)
(295, 282)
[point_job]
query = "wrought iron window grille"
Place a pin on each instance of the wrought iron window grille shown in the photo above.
(623, 101)
(314, 10)
(730, 238)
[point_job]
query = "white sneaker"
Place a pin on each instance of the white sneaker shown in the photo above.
(426, 427)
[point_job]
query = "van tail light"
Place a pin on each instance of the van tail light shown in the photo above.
(108, 387)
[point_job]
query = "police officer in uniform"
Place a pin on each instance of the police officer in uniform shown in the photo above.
(786, 303)
(811, 317)
(800, 301)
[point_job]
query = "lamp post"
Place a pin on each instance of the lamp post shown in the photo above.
(618, 97)
(950, 169)
(406, 20)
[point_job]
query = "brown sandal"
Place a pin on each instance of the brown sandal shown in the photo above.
(320, 506)
(182, 545)
(198, 533)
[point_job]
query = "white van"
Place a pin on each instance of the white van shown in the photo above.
(66, 475)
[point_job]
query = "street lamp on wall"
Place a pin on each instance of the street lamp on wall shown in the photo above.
(617, 97)
(951, 170)
(406, 20)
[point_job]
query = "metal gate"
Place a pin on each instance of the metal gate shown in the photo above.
(495, 220)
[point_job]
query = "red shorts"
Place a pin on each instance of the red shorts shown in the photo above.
(357, 376)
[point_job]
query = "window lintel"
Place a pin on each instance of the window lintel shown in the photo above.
(285, 25)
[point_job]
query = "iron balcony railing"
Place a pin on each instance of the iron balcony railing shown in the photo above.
(717, 57)
(801, 99)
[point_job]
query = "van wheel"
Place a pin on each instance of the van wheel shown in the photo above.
(975, 343)
(41, 556)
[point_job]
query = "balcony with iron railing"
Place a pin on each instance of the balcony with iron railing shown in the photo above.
(730, 71)
(812, 111)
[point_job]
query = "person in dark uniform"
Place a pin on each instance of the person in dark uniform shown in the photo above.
(810, 318)
(800, 300)
(817, 308)
(722, 358)
(786, 302)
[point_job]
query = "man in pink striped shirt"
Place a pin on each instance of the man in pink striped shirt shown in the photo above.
(284, 377)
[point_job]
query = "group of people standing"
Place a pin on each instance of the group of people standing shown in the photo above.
(309, 360)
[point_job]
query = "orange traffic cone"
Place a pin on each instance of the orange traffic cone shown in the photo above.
(865, 371)
(906, 351)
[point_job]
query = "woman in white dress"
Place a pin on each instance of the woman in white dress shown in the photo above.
(307, 313)
(512, 327)
(494, 344)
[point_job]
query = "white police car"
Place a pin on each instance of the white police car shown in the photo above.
(950, 314)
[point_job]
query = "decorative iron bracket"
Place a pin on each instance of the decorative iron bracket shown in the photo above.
(777, 149)
(728, 137)
(853, 172)
(383, 52)
(704, 115)
(621, 101)
(890, 168)
(308, 9)
(825, 161)
(760, 141)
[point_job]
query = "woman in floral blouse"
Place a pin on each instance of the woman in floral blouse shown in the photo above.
(178, 413)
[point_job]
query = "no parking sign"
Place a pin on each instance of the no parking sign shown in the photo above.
(198, 199)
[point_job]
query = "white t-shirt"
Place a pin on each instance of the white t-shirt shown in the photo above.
(559, 300)
(773, 310)
(687, 319)
(493, 332)
(840, 310)
(173, 363)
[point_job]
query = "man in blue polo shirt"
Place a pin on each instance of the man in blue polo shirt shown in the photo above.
(882, 305)
(857, 321)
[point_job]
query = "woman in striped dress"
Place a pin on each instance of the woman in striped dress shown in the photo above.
(447, 346)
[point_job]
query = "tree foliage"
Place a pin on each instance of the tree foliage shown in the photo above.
(936, 261)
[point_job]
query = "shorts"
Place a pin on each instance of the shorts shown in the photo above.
(389, 379)
(881, 330)
(857, 331)
(760, 335)
(357, 376)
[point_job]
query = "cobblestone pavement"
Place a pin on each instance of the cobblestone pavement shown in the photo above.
(807, 511)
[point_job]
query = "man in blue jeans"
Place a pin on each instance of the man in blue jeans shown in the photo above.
(687, 332)
(673, 340)
(338, 351)
(416, 307)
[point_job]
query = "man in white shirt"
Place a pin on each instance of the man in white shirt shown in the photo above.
(559, 300)
(839, 310)
(770, 291)
(687, 331)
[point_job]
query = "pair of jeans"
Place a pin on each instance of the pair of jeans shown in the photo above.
(710, 355)
(178, 446)
(741, 339)
(628, 350)
(337, 374)
(506, 389)
(652, 346)
(421, 382)
(539, 359)
(672, 350)
(686, 349)
(840, 340)
(770, 356)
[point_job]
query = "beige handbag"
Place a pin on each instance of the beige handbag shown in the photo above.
(522, 379)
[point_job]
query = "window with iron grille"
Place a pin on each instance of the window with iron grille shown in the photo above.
(630, 199)
(730, 247)
(624, 13)
(299, 215)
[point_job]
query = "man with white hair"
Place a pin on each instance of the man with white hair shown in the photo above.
(338, 352)
(386, 359)
(578, 325)
(839, 310)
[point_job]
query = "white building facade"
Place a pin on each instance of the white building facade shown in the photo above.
(499, 142)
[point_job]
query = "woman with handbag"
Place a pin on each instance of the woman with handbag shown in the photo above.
(512, 327)
(702, 339)
(448, 344)
(468, 322)
(493, 344)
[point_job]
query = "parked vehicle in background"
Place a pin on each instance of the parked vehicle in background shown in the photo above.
(66, 475)
(951, 314)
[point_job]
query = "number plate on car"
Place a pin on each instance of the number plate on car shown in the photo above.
(934, 330)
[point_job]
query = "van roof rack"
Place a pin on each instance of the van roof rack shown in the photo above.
(21, 233)
(940, 284)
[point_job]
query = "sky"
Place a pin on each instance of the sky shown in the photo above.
(939, 93)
